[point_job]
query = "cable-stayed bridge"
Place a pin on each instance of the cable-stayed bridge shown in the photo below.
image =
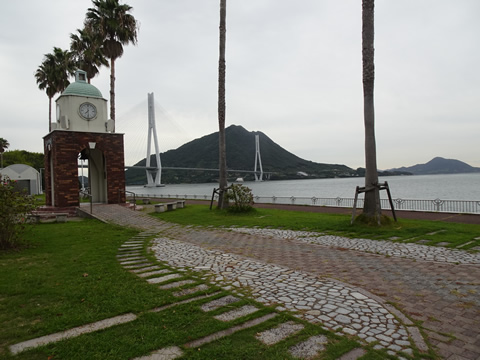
(154, 172)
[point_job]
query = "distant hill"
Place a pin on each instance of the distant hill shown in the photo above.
(203, 153)
(439, 165)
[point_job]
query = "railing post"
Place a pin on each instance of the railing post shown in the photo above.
(438, 203)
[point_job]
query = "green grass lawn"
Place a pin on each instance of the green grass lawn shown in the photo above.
(404, 230)
(70, 276)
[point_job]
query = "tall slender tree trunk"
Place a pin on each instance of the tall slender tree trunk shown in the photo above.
(112, 91)
(222, 200)
(371, 206)
(49, 114)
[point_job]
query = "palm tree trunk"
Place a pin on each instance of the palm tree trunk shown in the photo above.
(112, 91)
(49, 114)
(371, 206)
(222, 201)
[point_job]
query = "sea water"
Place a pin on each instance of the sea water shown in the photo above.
(421, 187)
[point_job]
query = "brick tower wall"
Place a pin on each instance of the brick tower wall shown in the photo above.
(63, 148)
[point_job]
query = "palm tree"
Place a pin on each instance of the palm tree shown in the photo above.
(222, 199)
(52, 75)
(371, 208)
(88, 52)
(3, 146)
(44, 76)
(115, 27)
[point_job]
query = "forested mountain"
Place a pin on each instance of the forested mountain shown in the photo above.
(203, 153)
(440, 165)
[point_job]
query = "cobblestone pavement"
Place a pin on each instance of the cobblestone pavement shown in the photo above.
(329, 302)
(440, 296)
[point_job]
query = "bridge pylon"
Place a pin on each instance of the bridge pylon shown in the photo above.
(258, 160)
(154, 174)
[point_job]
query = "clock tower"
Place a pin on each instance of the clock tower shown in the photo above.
(83, 131)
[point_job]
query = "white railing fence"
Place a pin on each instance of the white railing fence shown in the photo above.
(436, 205)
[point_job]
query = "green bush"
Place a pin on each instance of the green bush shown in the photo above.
(15, 205)
(242, 198)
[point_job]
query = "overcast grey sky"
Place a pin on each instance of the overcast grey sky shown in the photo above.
(293, 72)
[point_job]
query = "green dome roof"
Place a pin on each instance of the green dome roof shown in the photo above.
(81, 88)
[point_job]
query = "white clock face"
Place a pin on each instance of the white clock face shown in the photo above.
(88, 111)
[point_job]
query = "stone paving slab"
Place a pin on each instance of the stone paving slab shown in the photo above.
(130, 250)
(200, 297)
(138, 266)
(128, 255)
(237, 313)
(353, 355)
(168, 353)
(131, 262)
(84, 329)
(218, 303)
(152, 273)
(148, 268)
(130, 258)
(177, 284)
(309, 348)
(230, 331)
(193, 290)
(279, 333)
(162, 279)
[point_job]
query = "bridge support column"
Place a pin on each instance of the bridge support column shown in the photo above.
(258, 160)
(154, 174)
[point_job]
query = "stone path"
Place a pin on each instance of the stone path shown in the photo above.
(332, 303)
(440, 290)
(444, 297)
(389, 248)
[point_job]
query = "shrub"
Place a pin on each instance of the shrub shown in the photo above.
(242, 198)
(15, 205)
